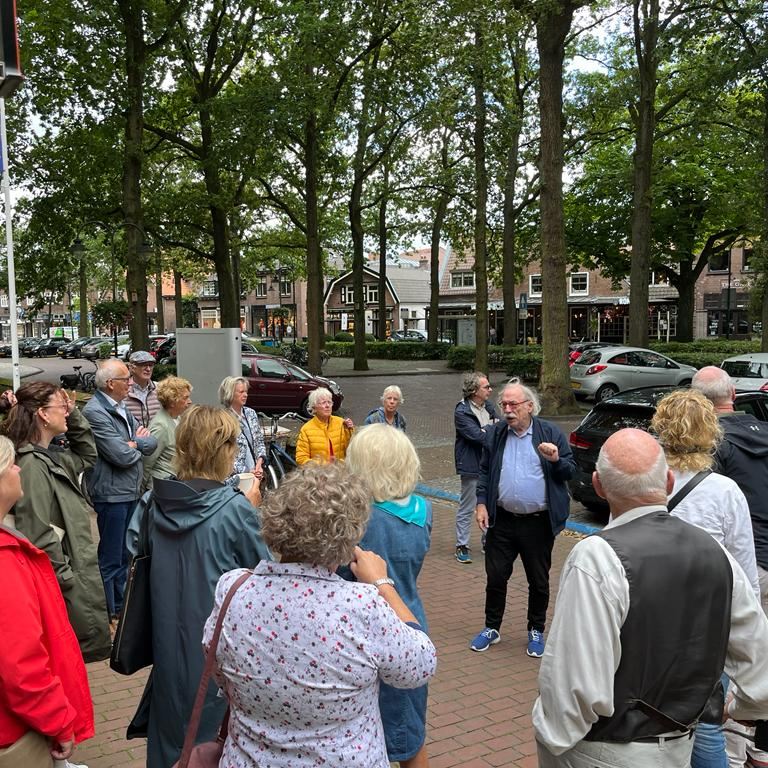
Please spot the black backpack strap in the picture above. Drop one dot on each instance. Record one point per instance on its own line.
(687, 488)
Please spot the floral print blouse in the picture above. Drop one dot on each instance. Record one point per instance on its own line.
(300, 658)
(250, 443)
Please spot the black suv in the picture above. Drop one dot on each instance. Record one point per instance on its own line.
(633, 408)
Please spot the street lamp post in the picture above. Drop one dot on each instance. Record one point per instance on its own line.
(78, 249)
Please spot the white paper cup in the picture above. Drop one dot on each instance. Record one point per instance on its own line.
(247, 479)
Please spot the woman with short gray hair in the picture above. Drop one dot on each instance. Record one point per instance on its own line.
(311, 635)
(387, 412)
(324, 437)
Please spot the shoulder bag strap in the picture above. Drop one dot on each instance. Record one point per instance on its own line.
(210, 657)
(687, 488)
(144, 527)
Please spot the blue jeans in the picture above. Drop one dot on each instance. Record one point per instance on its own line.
(709, 747)
(112, 519)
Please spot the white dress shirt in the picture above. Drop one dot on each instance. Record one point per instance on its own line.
(584, 648)
(717, 506)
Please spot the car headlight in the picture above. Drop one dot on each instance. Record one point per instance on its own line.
(334, 387)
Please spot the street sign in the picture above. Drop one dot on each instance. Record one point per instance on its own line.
(523, 301)
(523, 314)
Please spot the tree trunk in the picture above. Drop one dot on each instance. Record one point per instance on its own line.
(356, 226)
(646, 36)
(315, 330)
(136, 273)
(159, 294)
(434, 265)
(177, 303)
(556, 393)
(84, 326)
(229, 302)
(686, 291)
(509, 241)
(383, 258)
(481, 199)
(441, 209)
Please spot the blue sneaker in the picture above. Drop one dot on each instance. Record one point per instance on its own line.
(485, 640)
(462, 555)
(535, 643)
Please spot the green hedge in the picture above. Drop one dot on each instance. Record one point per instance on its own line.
(514, 361)
(388, 350)
(722, 347)
(163, 371)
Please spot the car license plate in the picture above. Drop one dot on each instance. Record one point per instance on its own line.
(575, 385)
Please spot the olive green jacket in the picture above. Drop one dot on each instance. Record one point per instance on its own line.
(159, 465)
(53, 497)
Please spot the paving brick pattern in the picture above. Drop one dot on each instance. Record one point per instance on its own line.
(479, 704)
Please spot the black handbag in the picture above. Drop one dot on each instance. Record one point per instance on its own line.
(132, 646)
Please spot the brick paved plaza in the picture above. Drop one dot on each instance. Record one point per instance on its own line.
(479, 703)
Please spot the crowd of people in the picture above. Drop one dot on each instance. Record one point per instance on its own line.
(324, 652)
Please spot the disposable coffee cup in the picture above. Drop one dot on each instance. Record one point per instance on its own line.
(247, 479)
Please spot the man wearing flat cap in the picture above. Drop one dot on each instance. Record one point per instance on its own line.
(142, 399)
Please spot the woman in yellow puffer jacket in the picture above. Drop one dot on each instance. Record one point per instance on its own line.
(324, 437)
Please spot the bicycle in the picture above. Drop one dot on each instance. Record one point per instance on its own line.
(85, 382)
(279, 462)
(300, 355)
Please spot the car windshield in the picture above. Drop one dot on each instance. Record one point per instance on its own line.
(745, 369)
(609, 420)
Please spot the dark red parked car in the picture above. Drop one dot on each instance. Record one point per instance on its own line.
(278, 385)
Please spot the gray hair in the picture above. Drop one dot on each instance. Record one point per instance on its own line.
(471, 383)
(393, 389)
(317, 515)
(321, 393)
(714, 383)
(228, 386)
(528, 393)
(625, 485)
(7, 454)
(108, 369)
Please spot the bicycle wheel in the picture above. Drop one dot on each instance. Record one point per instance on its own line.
(324, 358)
(275, 461)
(89, 382)
(270, 478)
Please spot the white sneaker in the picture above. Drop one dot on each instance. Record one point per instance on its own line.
(67, 764)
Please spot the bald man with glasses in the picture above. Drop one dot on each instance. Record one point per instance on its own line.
(522, 504)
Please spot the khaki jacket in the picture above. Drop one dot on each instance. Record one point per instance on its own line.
(53, 497)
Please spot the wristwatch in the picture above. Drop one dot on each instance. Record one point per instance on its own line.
(379, 582)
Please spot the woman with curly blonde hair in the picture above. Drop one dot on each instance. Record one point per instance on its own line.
(174, 394)
(302, 652)
(687, 427)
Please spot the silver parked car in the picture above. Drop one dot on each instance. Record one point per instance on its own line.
(749, 372)
(602, 373)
